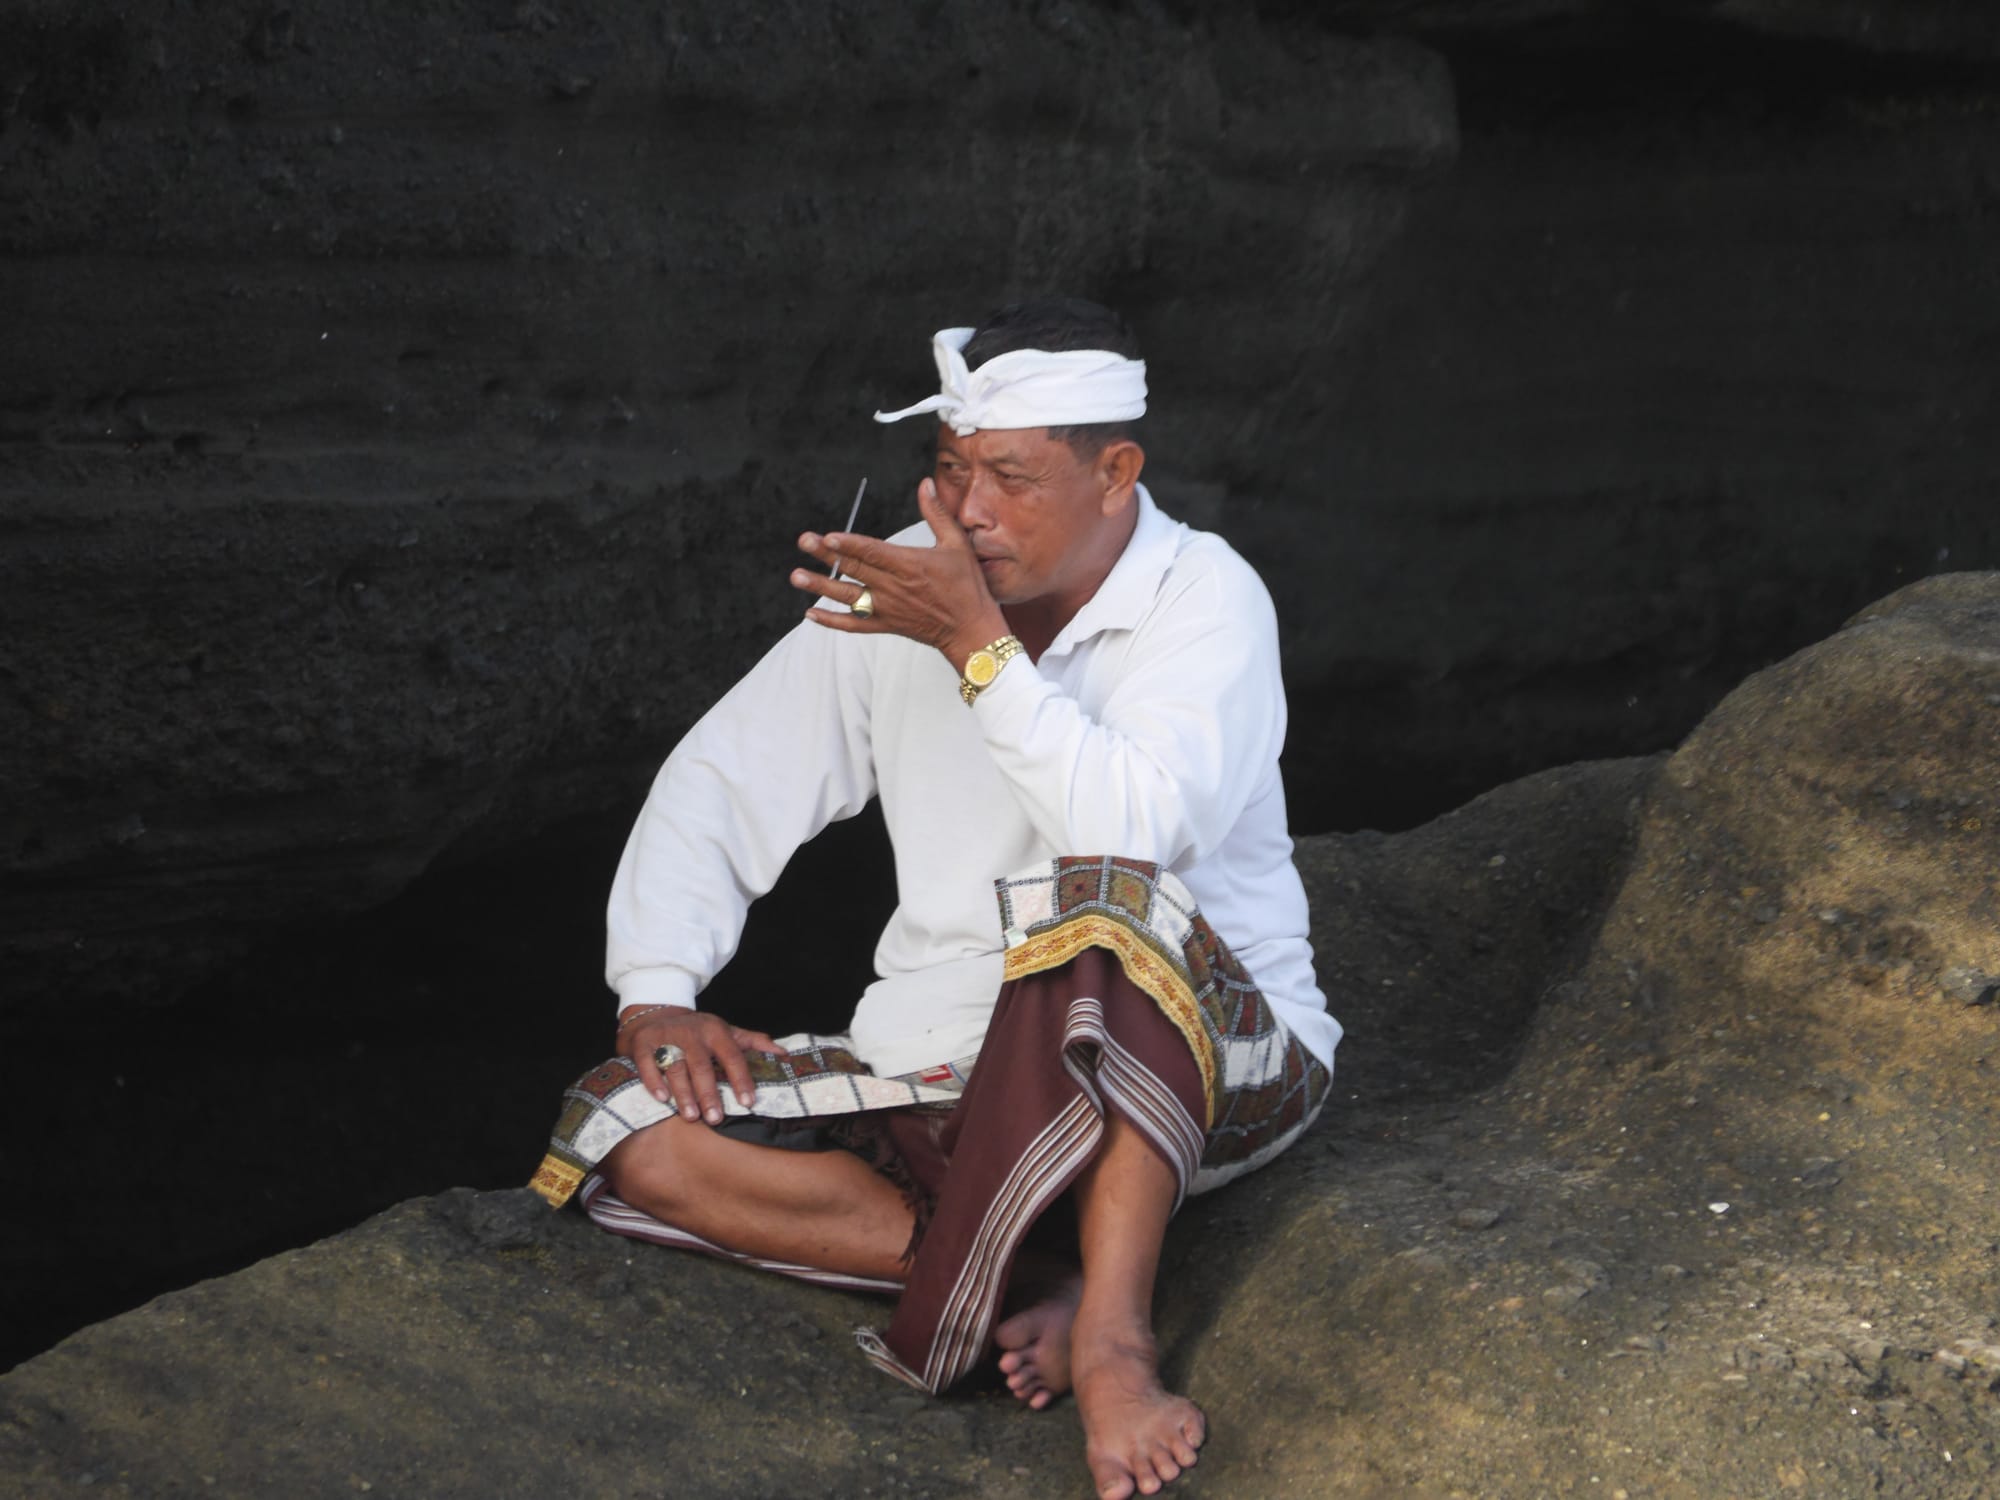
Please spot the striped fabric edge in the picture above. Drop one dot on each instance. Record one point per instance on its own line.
(1151, 1106)
(609, 1211)
(1041, 1174)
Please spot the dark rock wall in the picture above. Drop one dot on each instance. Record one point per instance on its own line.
(1696, 350)
(408, 412)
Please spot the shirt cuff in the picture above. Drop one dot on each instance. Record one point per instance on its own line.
(655, 987)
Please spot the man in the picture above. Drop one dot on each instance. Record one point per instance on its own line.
(1061, 695)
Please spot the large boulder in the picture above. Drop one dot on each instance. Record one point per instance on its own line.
(1728, 1223)
(1722, 1226)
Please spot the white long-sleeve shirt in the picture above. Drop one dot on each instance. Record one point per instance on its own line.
(1150, 728)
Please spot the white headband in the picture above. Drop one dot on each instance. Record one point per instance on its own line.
(1030, 388)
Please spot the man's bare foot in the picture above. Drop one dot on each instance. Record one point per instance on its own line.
(1138, 1436)
(1036, 1341)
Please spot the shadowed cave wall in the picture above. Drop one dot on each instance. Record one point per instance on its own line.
(405, 420)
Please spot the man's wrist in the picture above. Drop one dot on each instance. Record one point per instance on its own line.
(665, 984)
(975, 637)
(982, 668)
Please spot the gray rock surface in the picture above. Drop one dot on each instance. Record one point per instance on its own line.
(1722, 1227)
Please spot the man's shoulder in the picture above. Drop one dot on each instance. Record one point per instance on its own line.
(1205, 565)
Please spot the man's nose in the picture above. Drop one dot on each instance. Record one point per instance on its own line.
(975, 504)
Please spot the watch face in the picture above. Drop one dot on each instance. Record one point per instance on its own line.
(981, 668)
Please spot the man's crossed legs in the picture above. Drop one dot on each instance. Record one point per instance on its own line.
(1129, 1060)
(829, 1209)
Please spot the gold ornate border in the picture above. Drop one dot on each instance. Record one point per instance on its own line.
(556, 1180)
(1144, 966)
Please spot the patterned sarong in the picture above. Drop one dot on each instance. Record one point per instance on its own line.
(1117, 997)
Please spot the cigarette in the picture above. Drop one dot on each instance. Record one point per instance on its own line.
(834, 576)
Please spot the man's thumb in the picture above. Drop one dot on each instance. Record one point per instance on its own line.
(944, 525)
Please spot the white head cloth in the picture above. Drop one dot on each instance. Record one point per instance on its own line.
(1029, 388)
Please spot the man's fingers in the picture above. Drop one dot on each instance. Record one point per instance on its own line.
(848, 621)
(701, 1067)
(738, 1068)
(808, 582)
(843, 590)
(680, 1089)
(850, 549)
(649, 1073)
(689, 1082)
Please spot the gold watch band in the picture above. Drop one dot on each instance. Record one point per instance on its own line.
(984, 665)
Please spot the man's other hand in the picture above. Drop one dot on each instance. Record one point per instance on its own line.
(708, 1045)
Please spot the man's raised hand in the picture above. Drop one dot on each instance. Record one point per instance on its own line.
(935, 595)
(707, 1043)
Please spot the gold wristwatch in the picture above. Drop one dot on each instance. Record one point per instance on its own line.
(984, 665)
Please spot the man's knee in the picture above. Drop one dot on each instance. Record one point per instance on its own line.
(659, 1167)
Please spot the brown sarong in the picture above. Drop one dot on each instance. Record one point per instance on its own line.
(1117, 997)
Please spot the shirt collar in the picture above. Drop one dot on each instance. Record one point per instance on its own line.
(1129, 589)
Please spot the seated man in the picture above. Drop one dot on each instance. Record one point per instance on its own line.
(1060, 695)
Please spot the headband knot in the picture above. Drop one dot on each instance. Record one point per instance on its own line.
(1029, 388)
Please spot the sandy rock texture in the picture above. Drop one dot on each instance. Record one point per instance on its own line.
(1656, 1169)
(407, 410)
(1726, 1224)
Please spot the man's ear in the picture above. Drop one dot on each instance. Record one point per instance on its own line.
(1118, 468)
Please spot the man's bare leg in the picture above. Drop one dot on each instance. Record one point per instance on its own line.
(1137, 1435)
(827, 1209)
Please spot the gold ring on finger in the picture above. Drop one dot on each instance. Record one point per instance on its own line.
(864, 603)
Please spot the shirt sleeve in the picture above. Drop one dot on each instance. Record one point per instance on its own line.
(1165, 767)
(781, 755)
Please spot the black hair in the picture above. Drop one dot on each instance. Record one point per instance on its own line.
(1057, 324)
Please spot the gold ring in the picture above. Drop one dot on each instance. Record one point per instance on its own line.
(864, 603)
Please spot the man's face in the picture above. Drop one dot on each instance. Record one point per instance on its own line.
(1036, 513)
